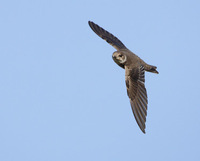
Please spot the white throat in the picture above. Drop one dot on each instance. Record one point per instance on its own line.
(123, 61)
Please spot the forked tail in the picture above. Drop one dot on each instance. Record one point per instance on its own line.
(151, 68)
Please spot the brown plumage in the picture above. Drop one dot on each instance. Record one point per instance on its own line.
(134, 74)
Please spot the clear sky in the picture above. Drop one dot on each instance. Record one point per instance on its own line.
(62, 97)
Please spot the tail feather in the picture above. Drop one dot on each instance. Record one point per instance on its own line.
(151, 68)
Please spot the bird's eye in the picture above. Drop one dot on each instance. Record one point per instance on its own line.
(120, 55)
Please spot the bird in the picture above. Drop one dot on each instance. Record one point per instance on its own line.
(135, 69)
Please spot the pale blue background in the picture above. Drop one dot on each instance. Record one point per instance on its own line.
(62, 98)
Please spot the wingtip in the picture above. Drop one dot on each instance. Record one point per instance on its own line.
(90, 22)
(143, 130)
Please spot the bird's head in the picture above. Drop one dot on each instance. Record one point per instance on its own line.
(120, 58)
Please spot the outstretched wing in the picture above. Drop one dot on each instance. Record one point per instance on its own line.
(111, 39)
(136, 90)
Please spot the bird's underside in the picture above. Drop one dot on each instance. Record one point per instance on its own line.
(134, 74)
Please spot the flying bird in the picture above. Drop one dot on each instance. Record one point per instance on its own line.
(135, 69)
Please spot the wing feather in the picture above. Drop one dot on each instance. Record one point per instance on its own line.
(136, 90)
(110, 38)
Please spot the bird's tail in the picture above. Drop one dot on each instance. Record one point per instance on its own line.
(151, 68)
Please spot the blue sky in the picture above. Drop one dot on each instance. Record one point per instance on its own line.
(63, 98)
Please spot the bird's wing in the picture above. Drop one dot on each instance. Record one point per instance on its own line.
(111, 39)
(136, 90)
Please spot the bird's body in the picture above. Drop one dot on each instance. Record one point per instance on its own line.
(134, 74)
(133, 60)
